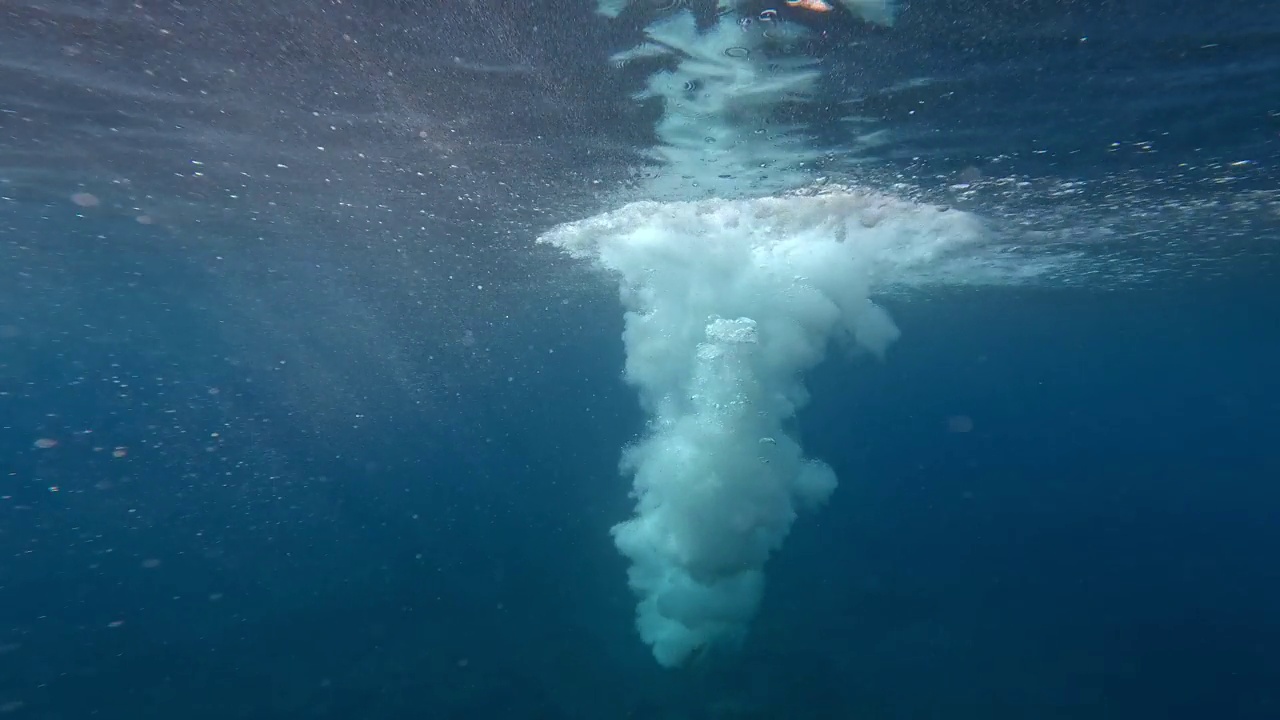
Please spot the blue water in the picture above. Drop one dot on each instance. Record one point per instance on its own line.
(340, 443)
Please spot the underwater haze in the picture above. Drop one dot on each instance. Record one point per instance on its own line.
(640, 359)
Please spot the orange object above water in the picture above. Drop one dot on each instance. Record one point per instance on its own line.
(813, 5)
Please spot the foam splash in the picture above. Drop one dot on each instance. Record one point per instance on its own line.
(880, 12)
(734, 285)
(728, 303)
(719, 133)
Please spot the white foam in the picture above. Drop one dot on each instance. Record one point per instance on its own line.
(728, 303)
(719, 133)
(734, 284)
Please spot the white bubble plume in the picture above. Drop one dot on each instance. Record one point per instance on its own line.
(729, 299)
(728, 303)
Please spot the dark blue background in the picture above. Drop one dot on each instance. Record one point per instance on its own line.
(1099, 545)
(370, 455)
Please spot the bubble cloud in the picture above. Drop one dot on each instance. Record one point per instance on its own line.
(728, 303)
(734, 284)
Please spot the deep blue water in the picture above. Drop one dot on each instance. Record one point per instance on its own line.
(333, 468)
(1099, 545)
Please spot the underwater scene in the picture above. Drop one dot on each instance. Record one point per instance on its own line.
(639, 359)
